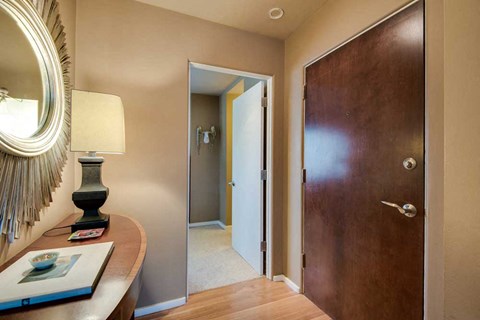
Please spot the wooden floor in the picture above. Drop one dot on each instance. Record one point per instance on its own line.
(254, 299)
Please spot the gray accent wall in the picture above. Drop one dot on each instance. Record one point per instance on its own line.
(204, 193)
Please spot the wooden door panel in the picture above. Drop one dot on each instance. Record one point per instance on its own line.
(364, 115)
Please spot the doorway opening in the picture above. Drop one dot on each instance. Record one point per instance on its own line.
(229, 177)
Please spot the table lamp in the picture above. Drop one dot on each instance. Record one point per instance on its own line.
(97, 126)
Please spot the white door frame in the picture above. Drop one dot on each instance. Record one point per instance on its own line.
(269, 159)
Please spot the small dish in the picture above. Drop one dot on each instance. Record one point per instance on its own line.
(44, 260)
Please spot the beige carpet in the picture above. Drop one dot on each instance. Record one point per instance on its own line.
(212, 262)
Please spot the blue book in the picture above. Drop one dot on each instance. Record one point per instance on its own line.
(76, 272)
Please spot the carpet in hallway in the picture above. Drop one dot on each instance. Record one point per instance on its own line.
(212, 262)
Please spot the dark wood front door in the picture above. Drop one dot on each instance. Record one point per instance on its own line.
(364, 114)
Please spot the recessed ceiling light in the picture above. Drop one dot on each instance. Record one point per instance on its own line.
(275, 13)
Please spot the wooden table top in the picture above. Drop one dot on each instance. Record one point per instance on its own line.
(117, 291)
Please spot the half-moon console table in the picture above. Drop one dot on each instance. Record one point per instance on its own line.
(117, 291)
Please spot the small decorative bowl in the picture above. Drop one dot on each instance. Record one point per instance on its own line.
(44, 260)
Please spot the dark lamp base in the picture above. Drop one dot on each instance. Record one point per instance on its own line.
(86, 222)
(91, 196)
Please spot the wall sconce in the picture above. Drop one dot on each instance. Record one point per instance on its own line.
(4, 95)
(207, 137)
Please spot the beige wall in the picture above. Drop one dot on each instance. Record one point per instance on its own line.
(205, 165)
(62, 198)
(462, 159)
(141, 53)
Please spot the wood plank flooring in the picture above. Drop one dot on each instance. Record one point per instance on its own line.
(254, 299)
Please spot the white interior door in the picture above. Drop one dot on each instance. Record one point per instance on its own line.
(247, 162)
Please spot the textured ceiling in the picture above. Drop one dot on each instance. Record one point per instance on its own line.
(248, 15)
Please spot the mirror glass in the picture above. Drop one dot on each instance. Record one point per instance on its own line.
(35, 109)
(22, 91)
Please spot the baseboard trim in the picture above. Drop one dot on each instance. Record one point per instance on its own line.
(288, 282)
(292, 285)
(221, 225)
(278, 278)
(203, 223)
(160, 307)
(209, 223)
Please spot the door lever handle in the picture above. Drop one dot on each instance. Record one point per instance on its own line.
(407, 210)
(231, 183)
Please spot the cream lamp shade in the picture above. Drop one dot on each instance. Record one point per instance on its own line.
(98, 123)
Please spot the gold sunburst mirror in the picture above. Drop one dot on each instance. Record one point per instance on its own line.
(34, 110)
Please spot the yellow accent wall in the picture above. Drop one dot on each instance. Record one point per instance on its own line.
(230, 98)
(230, 95)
